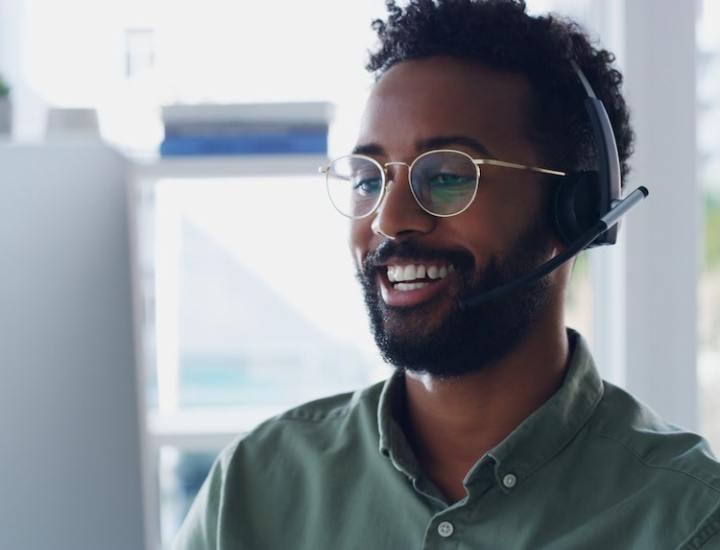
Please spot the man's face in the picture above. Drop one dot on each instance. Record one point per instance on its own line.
(447, 103)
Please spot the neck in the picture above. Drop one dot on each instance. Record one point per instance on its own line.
(451, 423)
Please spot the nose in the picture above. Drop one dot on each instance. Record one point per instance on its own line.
(399, 215)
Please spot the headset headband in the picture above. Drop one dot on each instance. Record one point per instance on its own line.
(608, 160)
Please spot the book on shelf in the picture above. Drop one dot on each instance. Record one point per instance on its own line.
(275, 144)
(241, 128)
(244, 129)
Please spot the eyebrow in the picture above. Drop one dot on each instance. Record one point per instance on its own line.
(436, 142)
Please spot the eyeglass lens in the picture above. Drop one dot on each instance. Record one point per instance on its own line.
(442, 182)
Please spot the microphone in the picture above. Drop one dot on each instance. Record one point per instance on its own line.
(618, 210)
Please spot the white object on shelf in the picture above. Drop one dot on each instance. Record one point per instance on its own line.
(63, 123)
(297, 112)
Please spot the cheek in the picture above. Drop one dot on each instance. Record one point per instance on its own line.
(496, 220)
(360, 237)
(484, 227)
(509, 208)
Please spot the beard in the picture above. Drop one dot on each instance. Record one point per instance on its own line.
(460, 341)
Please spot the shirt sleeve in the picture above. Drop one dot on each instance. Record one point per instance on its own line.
(200, 530)
(707, 535)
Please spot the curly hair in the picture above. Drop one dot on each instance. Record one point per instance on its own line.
(501, 35)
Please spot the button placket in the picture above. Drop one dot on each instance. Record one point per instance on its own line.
(445, 529)
(509, 481)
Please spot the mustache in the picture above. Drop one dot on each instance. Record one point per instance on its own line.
(411, 250)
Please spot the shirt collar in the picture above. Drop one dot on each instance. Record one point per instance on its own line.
(534, 442)
(393, 443)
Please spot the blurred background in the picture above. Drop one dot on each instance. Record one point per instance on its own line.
(162, 213)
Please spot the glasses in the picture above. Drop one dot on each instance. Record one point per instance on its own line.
(444, 182)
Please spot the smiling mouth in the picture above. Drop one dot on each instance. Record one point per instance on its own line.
(415, 276)
(406, 285)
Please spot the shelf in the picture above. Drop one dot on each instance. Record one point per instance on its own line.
(226, 166)
(204, 428)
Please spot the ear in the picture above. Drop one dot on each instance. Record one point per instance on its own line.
(575, 205)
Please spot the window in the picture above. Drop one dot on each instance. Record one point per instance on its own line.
(256, 309)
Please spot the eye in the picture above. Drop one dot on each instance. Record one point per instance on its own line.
(446, 179)
(367, 186)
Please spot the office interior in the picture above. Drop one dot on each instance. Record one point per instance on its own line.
(156, 307)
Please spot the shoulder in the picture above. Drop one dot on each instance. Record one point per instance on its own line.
(638, 461)
(312, 427)
(637, 431)
(307, 452)
(671, 471)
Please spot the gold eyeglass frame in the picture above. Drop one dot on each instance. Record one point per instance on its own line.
(385, 186)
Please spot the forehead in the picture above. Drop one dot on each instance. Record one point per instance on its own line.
(439, 96)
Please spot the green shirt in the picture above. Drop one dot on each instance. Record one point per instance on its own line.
(590, 469)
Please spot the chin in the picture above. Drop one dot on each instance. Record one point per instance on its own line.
(444, 341)
(411, 323)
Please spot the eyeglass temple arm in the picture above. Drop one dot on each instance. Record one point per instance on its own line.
(519, 166)
(324, 169)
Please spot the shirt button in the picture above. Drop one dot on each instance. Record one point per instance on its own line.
(445, 529)
(509, 480)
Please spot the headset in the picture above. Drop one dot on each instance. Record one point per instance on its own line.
(586, 206)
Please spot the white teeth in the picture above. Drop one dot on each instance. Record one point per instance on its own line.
(399, 273)
(410, 286)
(409, 273)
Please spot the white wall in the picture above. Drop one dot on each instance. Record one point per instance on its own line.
(70, 462)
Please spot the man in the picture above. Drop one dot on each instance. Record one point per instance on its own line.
(495, 430)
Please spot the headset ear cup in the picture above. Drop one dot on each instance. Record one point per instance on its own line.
(563, 212)
(576, 205)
